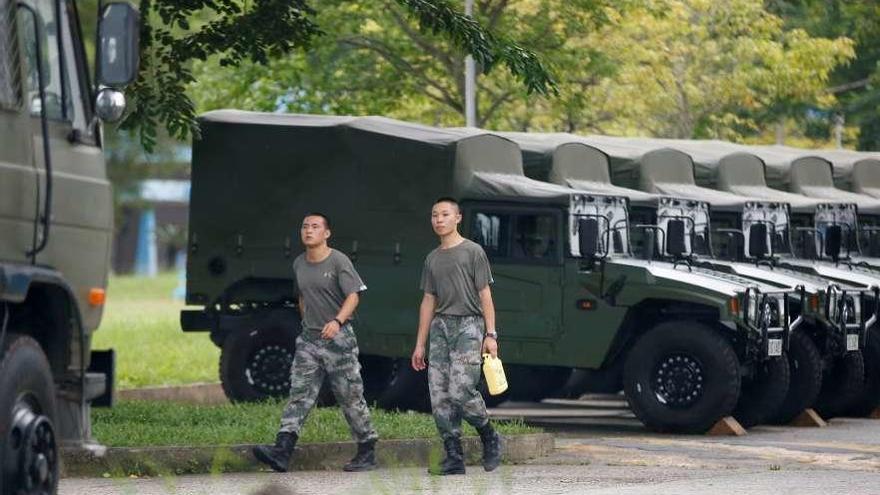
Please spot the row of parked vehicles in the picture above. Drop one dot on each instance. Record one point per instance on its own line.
(701, 278)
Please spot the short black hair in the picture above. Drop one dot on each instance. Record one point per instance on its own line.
(448, 199)
(319, 214)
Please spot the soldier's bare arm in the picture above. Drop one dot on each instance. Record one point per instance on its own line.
(490, 345)
(332, 327)
(426, 313)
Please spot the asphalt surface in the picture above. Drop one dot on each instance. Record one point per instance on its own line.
(595, 454)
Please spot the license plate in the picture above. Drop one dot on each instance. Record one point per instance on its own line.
(774, 347)
(852, 342)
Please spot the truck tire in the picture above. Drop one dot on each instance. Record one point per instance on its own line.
(681, 376)
(255, 365)
(376, 372)
(805, 366)
(762, 394)
(842, 382)
(407, 389)
(870, 397)
(28, 450)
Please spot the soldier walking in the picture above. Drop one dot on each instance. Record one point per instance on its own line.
(328, 295)
(455, 313)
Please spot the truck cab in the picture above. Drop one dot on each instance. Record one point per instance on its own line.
(56, 218)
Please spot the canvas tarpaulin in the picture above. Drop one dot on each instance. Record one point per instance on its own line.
(566, 160)
(654, 167)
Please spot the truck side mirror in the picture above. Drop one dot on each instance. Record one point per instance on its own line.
(675, 238)
(833, 238)
(118, 45)
(758, 240)
(588, 237)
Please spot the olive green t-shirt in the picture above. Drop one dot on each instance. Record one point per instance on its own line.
(324, 286)
(455, 276)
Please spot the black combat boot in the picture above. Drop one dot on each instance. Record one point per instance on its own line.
(277, 456)
(365, 459)
(454, 461)
(491, 447)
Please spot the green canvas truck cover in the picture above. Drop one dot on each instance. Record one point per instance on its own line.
(652, 166)
(805, 172)
(567, 160)
(256, 174)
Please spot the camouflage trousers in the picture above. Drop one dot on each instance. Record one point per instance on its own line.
(337, 359)
(454, 362)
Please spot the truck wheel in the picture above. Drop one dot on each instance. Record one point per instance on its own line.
(870, 397)
(842, 382)
(763, 393)
(681, 376)
(28, 450)
(376, 373)
(805, 367)
(407, 389)
(255, 365)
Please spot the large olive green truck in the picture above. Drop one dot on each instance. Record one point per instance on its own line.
(55, 228)
(569, 290)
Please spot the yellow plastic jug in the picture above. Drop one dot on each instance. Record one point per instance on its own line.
(494, 373)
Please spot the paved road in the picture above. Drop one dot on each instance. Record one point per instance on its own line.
(594, 458)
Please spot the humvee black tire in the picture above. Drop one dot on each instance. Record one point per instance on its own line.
(255, 365)
(869, 400)
(805, 366)
(701, 388)
(762, 394)
(27, 416)
(407, 389)
(842, 382)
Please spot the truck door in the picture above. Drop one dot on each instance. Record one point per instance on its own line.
(81, 213)
(524, 246)
(17, 186)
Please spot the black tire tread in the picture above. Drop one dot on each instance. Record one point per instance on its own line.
(805, 364)
(672, 334)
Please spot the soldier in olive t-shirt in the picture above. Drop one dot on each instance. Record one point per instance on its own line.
(324, 286)
(455, 277)
(457, 319)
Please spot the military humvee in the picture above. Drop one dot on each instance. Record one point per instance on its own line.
(569, 292)
(55, 229)
(583, 163)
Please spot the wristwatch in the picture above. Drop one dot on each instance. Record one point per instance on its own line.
(494, 335)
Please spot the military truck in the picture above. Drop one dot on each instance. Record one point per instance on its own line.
(842, 328)
(569, 293)
(572, 161)
(55, 229)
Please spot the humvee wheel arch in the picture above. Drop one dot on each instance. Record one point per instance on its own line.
(28, 453)
(681, 376)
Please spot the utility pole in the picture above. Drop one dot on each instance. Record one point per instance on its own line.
(838, 121)
(470, 79)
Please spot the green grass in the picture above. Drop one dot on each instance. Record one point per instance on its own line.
(142, 322)
(137, 424)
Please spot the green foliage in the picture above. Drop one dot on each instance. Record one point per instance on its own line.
(138, 424)
(142, 322)
(856, 85)
(176, 33)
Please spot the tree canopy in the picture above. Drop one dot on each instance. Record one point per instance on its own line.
(174, 33)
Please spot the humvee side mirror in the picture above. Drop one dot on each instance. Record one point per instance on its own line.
(758, 240)
(118, 44)
(833, 238)
(588, 237)
(675, 238)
